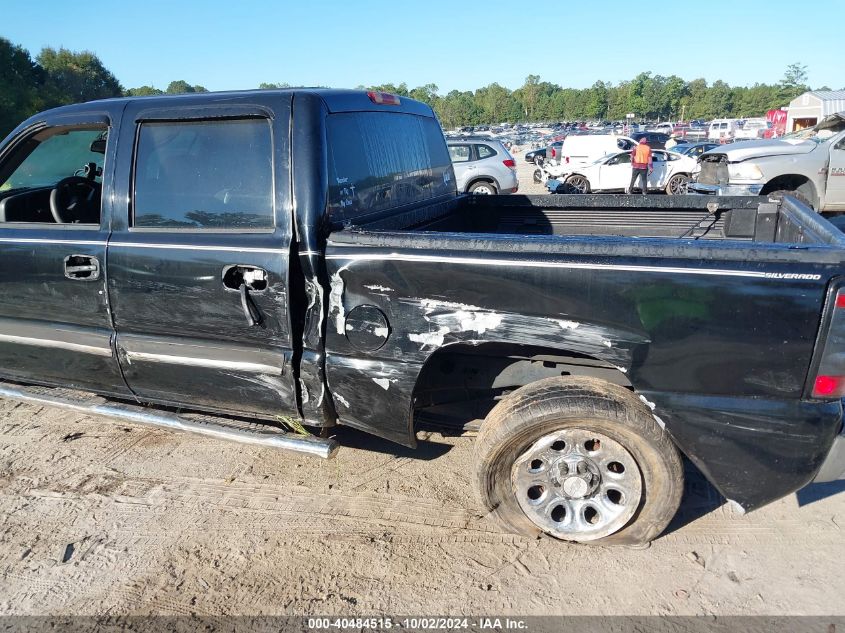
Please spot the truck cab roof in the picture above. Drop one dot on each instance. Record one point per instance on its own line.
(335, 100)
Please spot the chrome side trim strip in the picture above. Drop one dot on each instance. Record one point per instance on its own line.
(216, 428)
(212, 355)
(479, 261)
(96, 341)
(41, 342)
(191, 247)
(199, 247)
(40, 240)
(211, 363)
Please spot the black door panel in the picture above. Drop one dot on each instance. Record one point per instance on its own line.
(205, 213)
(55, 322)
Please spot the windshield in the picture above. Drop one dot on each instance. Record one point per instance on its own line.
(819, 133)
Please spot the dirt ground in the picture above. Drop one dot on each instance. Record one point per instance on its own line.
(525, 172)
(99, 517)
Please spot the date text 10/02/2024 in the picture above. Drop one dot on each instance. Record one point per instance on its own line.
(432, 624)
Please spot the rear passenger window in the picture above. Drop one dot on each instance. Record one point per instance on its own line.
(204, 175)
(459, 153)
(383, 160)
(485, 152)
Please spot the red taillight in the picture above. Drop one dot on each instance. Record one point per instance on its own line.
(829, 387)
(383, 98)
(567, 159)
(553, 152)
(511, 163)
(828, 378)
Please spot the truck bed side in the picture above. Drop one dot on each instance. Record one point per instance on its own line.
(717, 335)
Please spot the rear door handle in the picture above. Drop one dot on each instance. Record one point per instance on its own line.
(237, 275)
(244, 278)
(82, 267)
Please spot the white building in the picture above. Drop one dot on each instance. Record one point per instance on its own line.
(811, 107)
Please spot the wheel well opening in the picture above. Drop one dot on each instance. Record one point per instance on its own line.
(460, 384)
(792, 182)
(475, 181)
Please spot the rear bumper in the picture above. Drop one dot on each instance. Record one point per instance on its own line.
(725, 190)
(833, 467)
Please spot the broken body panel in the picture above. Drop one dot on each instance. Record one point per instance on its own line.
(709, 334)
(416, 310)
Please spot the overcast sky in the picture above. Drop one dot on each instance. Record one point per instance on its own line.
(463, 44)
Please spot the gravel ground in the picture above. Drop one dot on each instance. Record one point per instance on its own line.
(525, 172)
(99, 517)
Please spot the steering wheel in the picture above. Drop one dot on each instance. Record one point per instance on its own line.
(69, 198)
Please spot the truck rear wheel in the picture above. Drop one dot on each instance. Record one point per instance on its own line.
(579, 459)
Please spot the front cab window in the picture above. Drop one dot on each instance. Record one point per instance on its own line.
(55, 177)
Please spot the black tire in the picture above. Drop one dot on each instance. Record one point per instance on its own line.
(482, 187)
(677, 185)
(539, 160)
(557, 404)
(780, 193)
(577, 184)
(538, 176)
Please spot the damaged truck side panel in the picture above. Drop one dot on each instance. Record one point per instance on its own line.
(304, 253)
(685, 331)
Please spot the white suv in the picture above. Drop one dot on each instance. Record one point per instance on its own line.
(483, 166)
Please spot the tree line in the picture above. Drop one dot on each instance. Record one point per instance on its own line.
(649, 97)
(57, 77)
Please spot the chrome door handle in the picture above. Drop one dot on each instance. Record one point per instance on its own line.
(82, 267)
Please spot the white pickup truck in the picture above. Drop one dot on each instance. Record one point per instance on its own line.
(808, 164)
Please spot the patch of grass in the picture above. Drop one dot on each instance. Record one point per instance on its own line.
(294, 425)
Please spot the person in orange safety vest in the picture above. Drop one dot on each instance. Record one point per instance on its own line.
(641, 166)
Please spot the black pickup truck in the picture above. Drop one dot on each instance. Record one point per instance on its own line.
(213, 262)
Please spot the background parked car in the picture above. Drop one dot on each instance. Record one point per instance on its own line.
(483, 167)
(613, 173)
(655, 140)
(722, 129)
(753, 128)
(585, 148)
(665, 127)
(694, 150)
(539, 155)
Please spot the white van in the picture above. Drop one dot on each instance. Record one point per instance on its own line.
(753, 128)
(585, 148)
(722, 129)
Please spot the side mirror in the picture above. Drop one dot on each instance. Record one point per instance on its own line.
(98, 146)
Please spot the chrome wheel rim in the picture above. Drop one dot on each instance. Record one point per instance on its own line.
(577, 184)
(577, 485)
(678, 185)
(483, 190)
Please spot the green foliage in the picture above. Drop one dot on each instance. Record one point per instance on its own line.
(54, 78)
(21, 86)
(61, 76)
(75, 77)
(182, 87)
(144, 91)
